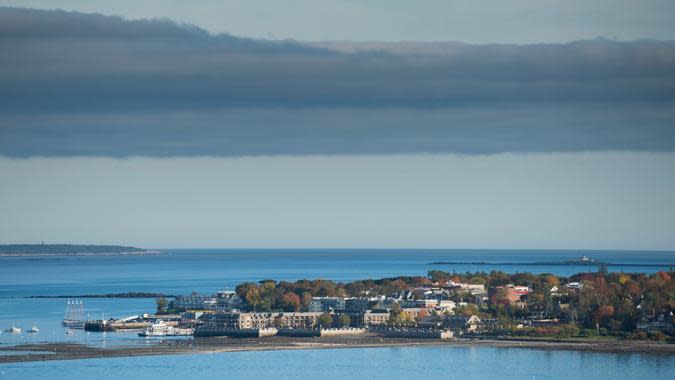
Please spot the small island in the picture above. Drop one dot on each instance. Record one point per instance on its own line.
(584, 260)
(70, 250)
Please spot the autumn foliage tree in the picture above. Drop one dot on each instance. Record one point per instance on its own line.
(291, 302)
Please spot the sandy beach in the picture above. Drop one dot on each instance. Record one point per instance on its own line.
(69, 351)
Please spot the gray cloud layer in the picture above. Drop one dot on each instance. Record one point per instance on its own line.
(79, 84)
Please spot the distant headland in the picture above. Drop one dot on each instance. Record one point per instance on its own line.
(70, 250)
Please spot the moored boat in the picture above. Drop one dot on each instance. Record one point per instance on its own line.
(73, 324)
(160, 328)
(74, 312)
(34, 329)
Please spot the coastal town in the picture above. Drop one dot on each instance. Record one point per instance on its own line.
(441, 305)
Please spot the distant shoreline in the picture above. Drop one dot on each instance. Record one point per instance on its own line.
(141, 253)
(70, 351)
(70, 250)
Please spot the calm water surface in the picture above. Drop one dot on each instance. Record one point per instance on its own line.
(380, 363)
(182, 271)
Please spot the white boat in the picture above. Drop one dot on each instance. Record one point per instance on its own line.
(70, 332)
(162, 329)
(34, 329)
(13, 330)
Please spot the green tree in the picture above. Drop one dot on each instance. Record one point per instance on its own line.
(344, 320)
(326, 320)
(161, 303)
(438, 275)
(394, 313)
(468, 310)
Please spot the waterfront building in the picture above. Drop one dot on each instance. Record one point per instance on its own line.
(325, 304)
(235, 320)
(660, 323)
(357, 304)
(228, 300)
(432, 321)
(190, 317)
(375, 317)
(194, 302)
(462, 323)
(304, 320)
(224, 300)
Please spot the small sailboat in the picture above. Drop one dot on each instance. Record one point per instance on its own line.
(14, 330)
(34, 329)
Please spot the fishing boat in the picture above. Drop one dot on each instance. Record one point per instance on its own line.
(160, 328)
(74, 312)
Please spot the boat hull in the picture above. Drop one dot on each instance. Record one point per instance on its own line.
(73, 324)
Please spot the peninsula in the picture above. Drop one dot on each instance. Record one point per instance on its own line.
(70, 250)
(611, 312)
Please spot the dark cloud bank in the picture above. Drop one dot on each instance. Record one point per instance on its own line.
(80, 84)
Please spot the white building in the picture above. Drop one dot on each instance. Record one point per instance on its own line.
(224, 300)
(574, 285)
(471, 288)
(324, 304)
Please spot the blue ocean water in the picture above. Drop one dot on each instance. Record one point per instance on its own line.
(205, 271)
(373, 363)
(183, 271)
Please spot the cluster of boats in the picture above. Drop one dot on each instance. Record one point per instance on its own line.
(74, 320)
(17, 330)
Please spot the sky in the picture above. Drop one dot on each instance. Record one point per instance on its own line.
(470, 21)
(436, 124)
